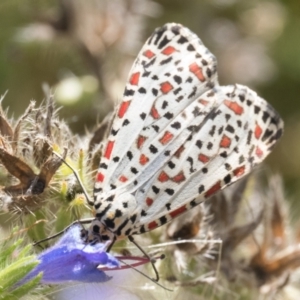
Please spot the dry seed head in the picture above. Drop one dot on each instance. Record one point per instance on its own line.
(29, 169)
(264, 264)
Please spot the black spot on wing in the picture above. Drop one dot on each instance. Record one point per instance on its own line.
(165, 61)
(163, 43)
(128, 92)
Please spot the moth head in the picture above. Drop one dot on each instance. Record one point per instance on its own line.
(98, 232)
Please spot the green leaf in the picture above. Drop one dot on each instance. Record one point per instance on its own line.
(6, 253)
(24, 251)
(10, 275)
(25, 288)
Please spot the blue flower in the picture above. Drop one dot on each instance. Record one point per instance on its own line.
(70, 259)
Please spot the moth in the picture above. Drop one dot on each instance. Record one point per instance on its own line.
(177, 137)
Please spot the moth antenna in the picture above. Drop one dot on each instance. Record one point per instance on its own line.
(83, 221)
(77, 177)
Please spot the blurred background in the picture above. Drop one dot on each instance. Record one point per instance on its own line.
(84, 49)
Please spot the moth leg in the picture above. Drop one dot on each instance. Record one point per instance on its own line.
(152, 261)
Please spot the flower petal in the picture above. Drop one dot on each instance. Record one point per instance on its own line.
(71, 259)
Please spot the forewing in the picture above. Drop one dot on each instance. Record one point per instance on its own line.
(238, 133)
(172, 70)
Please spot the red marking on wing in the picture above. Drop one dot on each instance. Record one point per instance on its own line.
(143, 159)
(216, 187)
(225, 142)
(148, 53)
(179, 151)
(178, 211)
(154, 113)
(134, 79)
(109, 148)
(100, 177)
(203, 158)
(166, 87)
(203, 102)
(259, 152)
(163, 177)
(197, 71)
(140, 141)
(239, 171)
(257, 131)
(237, 109)
(166, 138)
(152, 225)
(179, 177)
(123, 178)
(149, 201)
(168, 50)
(123, 108)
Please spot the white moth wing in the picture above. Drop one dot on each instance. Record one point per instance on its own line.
(239, 133)
(172, 70)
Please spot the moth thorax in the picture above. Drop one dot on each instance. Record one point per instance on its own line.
(121, 208)
(112, 215)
